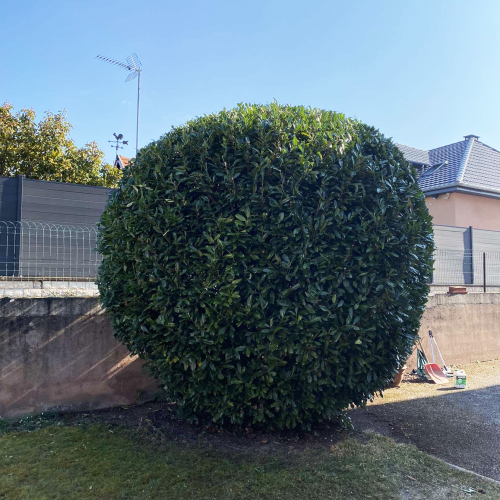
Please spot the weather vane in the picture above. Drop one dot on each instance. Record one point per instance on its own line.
(118, 143)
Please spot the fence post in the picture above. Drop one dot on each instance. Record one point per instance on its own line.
(471, 242)
(18, 241)
(484, 272)
(19, 215)
(434, 255)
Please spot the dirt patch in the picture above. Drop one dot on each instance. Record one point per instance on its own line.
(157, 420)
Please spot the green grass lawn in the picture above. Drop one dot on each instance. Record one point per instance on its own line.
(99, 462)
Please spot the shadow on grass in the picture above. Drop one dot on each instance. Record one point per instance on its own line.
(99, 462)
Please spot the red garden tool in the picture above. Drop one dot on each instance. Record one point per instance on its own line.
(432, 369)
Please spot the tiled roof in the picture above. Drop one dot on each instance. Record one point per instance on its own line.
(121, 161)
(468, 163)
(124, 160)
(448, 173)
(483, 167)
(414, 155)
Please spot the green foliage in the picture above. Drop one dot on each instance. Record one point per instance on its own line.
(45, 151)
(270, 263)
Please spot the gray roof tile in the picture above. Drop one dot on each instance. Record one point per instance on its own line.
(448, 173)
(414, 155)
(481, 168)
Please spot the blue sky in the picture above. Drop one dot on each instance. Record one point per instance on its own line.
(425, 72)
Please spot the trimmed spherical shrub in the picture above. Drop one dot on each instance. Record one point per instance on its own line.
(270, 263)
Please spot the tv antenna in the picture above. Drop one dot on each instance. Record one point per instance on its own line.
(135, 67)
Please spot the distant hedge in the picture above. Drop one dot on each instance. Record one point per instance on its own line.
(270, 263)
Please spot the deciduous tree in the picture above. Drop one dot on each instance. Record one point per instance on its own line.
(44, 150)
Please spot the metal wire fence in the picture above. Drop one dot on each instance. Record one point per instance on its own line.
(38, 250)
(30, 250)
(471, 268)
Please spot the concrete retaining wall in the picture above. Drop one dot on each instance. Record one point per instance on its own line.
(42, 289)
(36, 289)
(36, 284)
(60, 354)
(466, 327)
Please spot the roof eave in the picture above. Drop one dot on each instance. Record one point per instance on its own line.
(463, 188)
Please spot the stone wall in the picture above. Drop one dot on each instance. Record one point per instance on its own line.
(60, 354)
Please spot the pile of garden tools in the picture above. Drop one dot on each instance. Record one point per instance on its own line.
(428, 370)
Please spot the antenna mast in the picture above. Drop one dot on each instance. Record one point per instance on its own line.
(133, 65)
